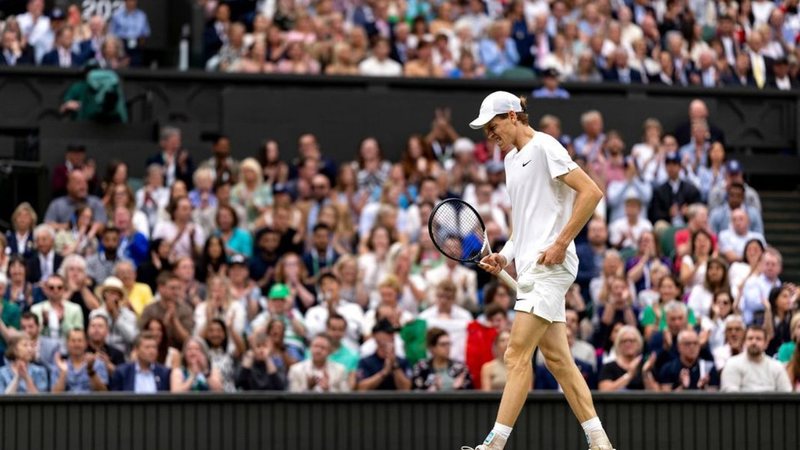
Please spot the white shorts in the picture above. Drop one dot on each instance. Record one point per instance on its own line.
(542, 290)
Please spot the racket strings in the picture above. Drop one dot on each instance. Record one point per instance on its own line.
(457, 231)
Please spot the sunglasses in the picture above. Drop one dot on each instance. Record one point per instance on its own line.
(55, 287)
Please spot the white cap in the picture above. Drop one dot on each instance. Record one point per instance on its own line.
(463, 145)
(498, 102)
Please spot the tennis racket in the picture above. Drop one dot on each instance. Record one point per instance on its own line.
(458, 232)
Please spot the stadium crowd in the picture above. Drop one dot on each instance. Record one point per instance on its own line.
(211, 273)
(669, 42)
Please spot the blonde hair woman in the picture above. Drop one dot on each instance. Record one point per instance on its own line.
(251, 192)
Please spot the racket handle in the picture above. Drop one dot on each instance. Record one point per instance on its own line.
(507, 279)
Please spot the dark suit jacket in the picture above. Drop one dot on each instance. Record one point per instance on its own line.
(613, 75)
(87, 52)
(684, 132)
(26, 58)
(772, 84)
(663, 199)
(124, 378)
(11, 238)
(731, 79)
(34, 271)
(183, 175)
(51, 59)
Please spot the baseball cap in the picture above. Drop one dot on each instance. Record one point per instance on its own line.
(550, 72)
(632, 196)
(673, 158)
(498, 102)
(278, 291)
(734, 167)
(238, 259)
(463, 145)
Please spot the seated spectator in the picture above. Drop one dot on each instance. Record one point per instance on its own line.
(167, 355)
(82, 372)
(319, 373)
(701, 296)
(342, 354)
(671, 198)
(720, 217)
(177, 315)
(787, 349)
(389, 291)
(13, 52)
(173, 158)
(734, 174)
(628, 371)
(79, 285)
(755, 292)
(753, 370)
(58, 314)
(343, 61)
(44, 347)
(618, 308)
(655, 318)
(697, 219)
(20, 236)
(91, 47)
(734, 341)
(143, 375)
(782, 79)
(467, 68)
(695, 153)
(721, 308)
(733, 239)
(494, 372)
(697, 111)
(591, 253)
(260, 366)
(97, 333)
(251, 192)
(131, 25)
(36, 27)
(317, 316)
(184, 237)
(80, 236)
(464, 279)
(202, 196)
(640, 267)
(688, 371)
(101, 265)
(139, 294)
(61, 211)
(195, 374)
(712, 176)
(379, 63)
(626, 231)
(619, 71)
(778, 313)
(383, 370)
(122, 321)
(62, 54)
(550, 87)
(224, 351)
(590, 143)
(632, 186)
(498, 51)
(279, 307)
(133, 243)
(298, 60)
(693, 266)
(21, 374)
(237, 240)
(10, 314)
(440, 373)
(321, 255)
(741, 74)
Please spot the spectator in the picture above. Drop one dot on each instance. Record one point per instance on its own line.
(693, 266)
(317, 316)
(632, 186)
(175, 160)
(697, 219)
(298, 60)
(223, 353)
(590, 143)
(787, 349)
(464, 279)
(133, 244)
(13, 52)
(697, 111)
(742, 75)
(58, 314)
(761, 65)
(781, 79)
(79, 285)
(237, 240)
(82, 372)
(379, 63)
(733, 239)
(778, 316)
(100, 265)
(167, 355)
(10, 314)
(196, 374)
(121, 320)
(688, 371)
(131, 25)
(61, 211)
(184, 237)
(219, 304)
(383, 370)
(720, 217)
(139, 294)
(701, 296)
(216, 32)
(440, 373)
(626, 231)
(45, 347)
(91, 47)
(695, 153)
(35, 28)
(793, 368)
(753, 371)
(144, 375)
(319, 373)
(494, 372)
(80, 236)
(713, 175)
(734, 330)
(671, 199)
(19, 290)
(21, 374)
(591, 253)
(498, 51)
(640, 266)
(62, 55)
(628, 371)
(177, 316)
(550, 87)
(733, 174)
(619, 71)
(618, 308)
(20, 237)
(260, 369)
(655, 318)
(251, 193)
(97, 333)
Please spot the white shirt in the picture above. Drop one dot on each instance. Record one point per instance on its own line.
(38, 34)
(455, 325)
(743, 375)
(729, 240)
(317, 316)
(374, 67)
(541, 203)
(466, 281)
(700, 300)
(755, 290)
(621, 232)
(183, 247)
(46, 263)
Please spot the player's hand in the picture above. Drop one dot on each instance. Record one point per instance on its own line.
(493, 263)
(555, 254)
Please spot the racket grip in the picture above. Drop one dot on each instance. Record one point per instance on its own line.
(507, 279)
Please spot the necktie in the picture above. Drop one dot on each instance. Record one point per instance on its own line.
(758, 71)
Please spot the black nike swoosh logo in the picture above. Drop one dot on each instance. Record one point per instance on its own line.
(526, 163)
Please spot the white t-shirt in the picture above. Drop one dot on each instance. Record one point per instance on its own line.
(622, 233)
(743, 375)
(541, 203)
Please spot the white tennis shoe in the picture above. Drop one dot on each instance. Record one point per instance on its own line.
(492, 442)
(600, 441)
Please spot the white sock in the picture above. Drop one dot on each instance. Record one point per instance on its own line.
(590, 425)
(500, 430)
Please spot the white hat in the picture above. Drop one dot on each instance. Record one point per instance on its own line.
(498, 102)
(463, 145)
(112, 283)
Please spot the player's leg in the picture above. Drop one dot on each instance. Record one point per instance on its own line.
(555, 349)
(526, 332)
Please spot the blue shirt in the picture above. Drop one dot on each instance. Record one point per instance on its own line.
(145, 381)
(498, 60)
(38, 375)
(543, 92)
(240, 242)
(78, 380)
(371, 365)
(130, 24)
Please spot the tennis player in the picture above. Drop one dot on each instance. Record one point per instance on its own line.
(551, 201)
